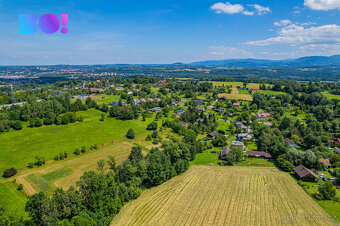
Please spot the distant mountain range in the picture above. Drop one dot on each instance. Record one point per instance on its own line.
(311, 61)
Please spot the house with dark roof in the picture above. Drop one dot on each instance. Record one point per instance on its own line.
(178, 112)
(244, 136)
(212, 135)
(223, 154)
(259, 154)
(200, 102)
(156, 109)
(305, 174)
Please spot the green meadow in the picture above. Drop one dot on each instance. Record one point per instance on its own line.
(13, 199)
(18, 148)
(331, 96)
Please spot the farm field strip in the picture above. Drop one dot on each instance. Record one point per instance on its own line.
(209, 195)
(75, 167)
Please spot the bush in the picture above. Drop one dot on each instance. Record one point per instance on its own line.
(148, 138)
(83, 149)
(130, 134)
(30, 165)
(77, 151)
(20, 187)
(154, 134)
(219, 141)
(17, 125)
(327, 190)
(9, 172)
(152, 126)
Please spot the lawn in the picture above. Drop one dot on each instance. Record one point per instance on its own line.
(13, 199)
(331, 96)
(18, 148)
(331, 207)
(210, 195)
(270, 92)
(246, 97)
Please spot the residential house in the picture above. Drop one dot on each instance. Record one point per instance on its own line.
(236, 104)
(236, 143)
(268, 124)
(326, 162)
(259, 154)
(184, 123)
(241, 88)
(254, 89)
(222, 98)
(212, 135)
(200, 102)
(200, 109)
(96, 90)
(178, 112)
(118, 88)
(156, 109)
(263, 116)
(305, 174)
(337, 150)
(135, 101)
(175, 103)
(115, 102)
(200, 120)
(223, 154)
(244, 136)
(290, 142)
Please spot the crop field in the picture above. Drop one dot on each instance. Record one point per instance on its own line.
(18, 148)
(209, 195)
(236, 84)
(66, 172)
(246, 97)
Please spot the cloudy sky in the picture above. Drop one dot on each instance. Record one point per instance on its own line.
(168, 31)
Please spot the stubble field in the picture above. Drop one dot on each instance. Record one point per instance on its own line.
(209, 195)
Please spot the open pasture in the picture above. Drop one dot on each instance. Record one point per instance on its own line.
(209, 195)
(18, 148)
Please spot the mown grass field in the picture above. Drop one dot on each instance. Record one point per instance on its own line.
(18, 148)
(14, 200)
(209, 195)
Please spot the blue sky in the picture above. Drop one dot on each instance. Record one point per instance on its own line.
(105, 32)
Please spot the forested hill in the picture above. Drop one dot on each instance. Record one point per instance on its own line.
(310, 61)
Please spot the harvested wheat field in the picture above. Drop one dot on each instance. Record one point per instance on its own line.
(210, 195)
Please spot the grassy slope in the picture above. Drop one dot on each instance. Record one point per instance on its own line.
(18, 148)
(13, 199)
(209, 195)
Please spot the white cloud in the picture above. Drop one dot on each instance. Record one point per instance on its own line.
(227, 8)
(297, 34)
(322, 4)
(282, 23)
(223, 52)
(261, 10)
(248, 13)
